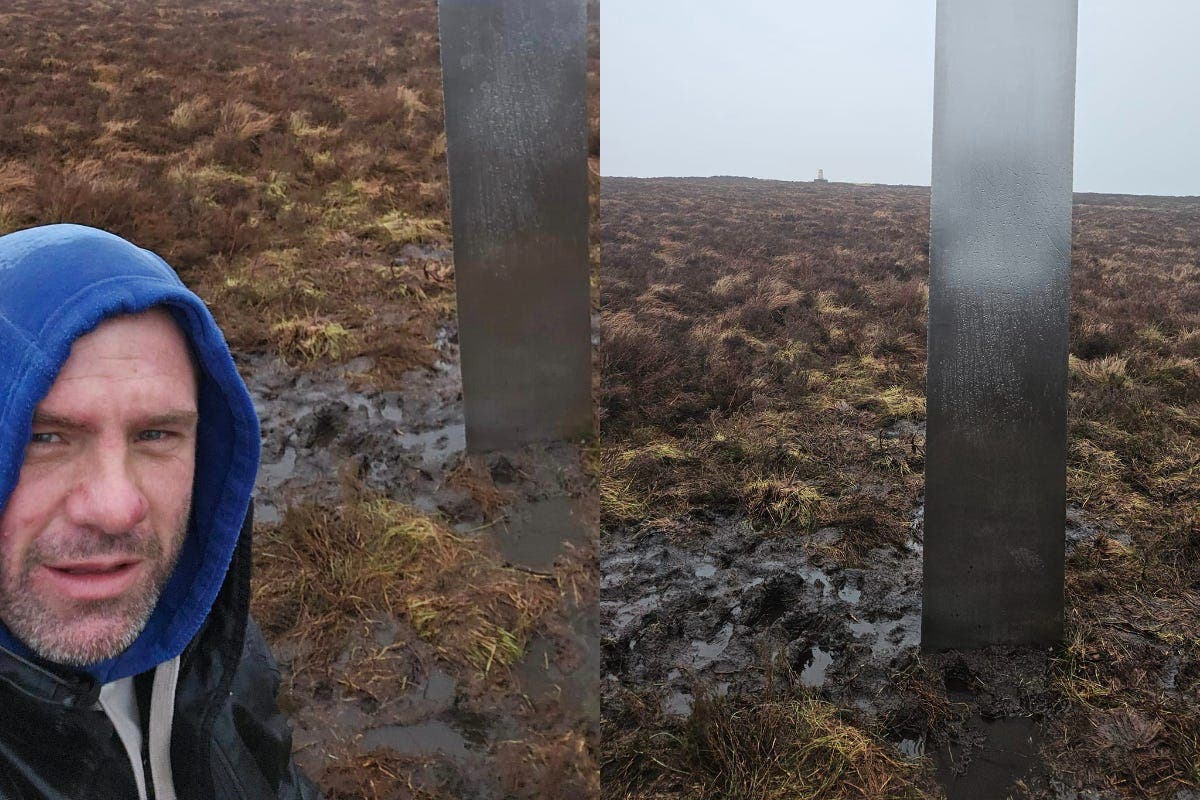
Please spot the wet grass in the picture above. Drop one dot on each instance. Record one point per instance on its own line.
(747, 369)
(763, 355)
(323, 571)
(387, 775)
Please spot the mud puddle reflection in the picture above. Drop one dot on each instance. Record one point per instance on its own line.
(535, 532)
(314, 422)
(424, 738)
(562, 671)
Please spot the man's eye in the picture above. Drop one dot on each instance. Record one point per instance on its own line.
(43, 438)
(153, 436)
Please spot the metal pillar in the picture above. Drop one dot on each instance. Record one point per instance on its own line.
(515, 85)
(999, 261)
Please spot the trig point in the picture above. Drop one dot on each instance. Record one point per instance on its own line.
(820, 177)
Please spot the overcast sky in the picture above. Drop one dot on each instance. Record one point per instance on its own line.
(780, 88)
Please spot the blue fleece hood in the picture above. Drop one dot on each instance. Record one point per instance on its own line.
(57, 283)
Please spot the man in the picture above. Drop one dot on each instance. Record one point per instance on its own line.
(129, 666)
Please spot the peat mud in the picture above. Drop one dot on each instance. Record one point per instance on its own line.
(674, 614)
(389, 708)
(709, 602)
(316, 423)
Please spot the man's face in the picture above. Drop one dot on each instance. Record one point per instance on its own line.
(94, 527)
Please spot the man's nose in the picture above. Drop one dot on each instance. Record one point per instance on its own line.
(108, 497)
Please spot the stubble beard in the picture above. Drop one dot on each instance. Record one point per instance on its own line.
(90, 631)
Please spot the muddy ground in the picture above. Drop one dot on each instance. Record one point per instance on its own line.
(422, 726)
(711, 603)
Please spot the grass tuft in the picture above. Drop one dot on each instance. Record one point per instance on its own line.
(784, 502)
(323, 570)
(782, 744)
(309, 340)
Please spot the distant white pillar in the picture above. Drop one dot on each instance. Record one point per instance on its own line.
(999, 253)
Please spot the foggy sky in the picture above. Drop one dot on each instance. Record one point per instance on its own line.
(780, 88)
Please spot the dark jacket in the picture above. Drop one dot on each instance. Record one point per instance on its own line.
(229, 741)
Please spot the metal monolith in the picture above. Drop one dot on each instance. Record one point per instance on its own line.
(1000, 243)
(515, 87)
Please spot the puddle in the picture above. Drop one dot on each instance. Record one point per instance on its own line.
(477, 728)
(533, 533)
(704, 654)
(439, 688)
(437, 445)
(631, 612)
(889, 635)
(314, 422)
(813, 674)
(818, 579)
(617, 574)
(425, 738)
(1003, 753)
(861, 629)
(266, 513)
(277, 472)
(678, 704)
(392, 414)
(536, 676)
(673, 612)
(565, 670)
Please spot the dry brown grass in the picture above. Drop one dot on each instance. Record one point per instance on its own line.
(559, 765)
(224, 134)
(769, 332)
(386, 775)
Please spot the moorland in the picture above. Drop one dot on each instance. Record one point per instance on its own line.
(762, 426)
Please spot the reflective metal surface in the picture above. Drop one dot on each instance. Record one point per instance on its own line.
(515, 86)
(1000, 239)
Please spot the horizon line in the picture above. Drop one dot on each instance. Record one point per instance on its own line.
(865, 183)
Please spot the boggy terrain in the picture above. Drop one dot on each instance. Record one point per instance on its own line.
(433, 614)
(762, 429)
